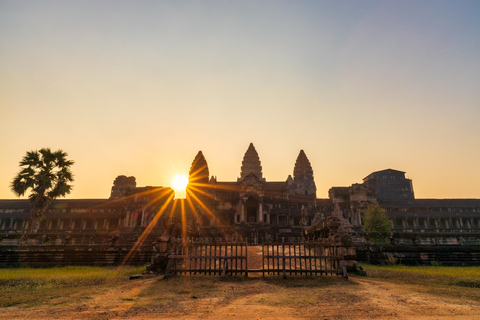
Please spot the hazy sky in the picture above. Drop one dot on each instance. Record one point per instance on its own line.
(139, 87)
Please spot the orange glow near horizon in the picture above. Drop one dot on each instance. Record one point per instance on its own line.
(367, 85)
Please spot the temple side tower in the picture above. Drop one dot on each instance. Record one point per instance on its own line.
(251, 164)
(303, 183)
(198, 190)
(122, 186)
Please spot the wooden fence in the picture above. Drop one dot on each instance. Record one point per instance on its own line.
(207, 257)
(220, 258)
(306, 258)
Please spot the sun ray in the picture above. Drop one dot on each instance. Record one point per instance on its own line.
(203, 192)
(196, 174)
(145, 233)
(184, 222)
(170, 217)
(206, 208)
(189, 200)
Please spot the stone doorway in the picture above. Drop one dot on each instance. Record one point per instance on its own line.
(251, 207)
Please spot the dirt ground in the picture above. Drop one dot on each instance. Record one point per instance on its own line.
(356, 298)
(210, 297)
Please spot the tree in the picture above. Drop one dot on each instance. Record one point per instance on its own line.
(375, 219)
(47, 175)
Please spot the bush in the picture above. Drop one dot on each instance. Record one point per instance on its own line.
(375, 219)
(435, 263)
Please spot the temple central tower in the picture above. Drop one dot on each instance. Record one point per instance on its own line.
(303, 182)
(251, 164)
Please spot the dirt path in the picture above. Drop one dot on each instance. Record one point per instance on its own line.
(254, 257)
(369, 300)
(258, 298)
(383, 300)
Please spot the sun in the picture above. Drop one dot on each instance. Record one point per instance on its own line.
(179, 184)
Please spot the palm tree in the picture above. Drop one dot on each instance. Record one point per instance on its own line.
(47, 174)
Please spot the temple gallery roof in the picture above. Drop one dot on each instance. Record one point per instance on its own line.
(433, 203)
(21, 208)
(384, 172)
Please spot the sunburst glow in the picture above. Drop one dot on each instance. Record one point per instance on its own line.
(179, 184)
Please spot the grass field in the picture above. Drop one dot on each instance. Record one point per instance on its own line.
(442, 276)
(102, 293)
(29, 286)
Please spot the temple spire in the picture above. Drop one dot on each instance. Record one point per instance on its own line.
(199, 170)
(251, 164)
(302, 166)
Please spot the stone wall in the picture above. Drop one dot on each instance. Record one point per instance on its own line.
(48, 249)
(455, 249)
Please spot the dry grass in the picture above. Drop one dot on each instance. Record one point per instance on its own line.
(463, 276)
(32, 286)
(437, 280)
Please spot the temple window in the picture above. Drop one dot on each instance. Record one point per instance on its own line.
(398, 223)
(410, 223)
(88, 224)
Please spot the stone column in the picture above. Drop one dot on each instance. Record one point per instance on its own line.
(260, 212)
(127, 218)
(242, 213)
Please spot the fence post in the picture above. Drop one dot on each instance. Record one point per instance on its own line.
(246, 258)
(224, 268)
(344, 268)
(167, 270)
(263, 259)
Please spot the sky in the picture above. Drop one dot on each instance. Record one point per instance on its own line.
(137, 88)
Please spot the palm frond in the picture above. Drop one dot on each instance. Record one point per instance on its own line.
(46, 174)
(31, 158)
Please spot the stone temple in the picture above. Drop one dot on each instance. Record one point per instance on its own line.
(251, 204)
(250, 207)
